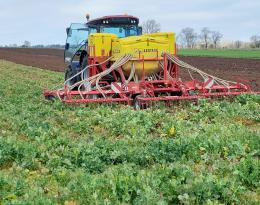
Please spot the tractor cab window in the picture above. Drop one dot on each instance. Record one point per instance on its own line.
(94, 29)
(120, 31)
(132, 31)
(77, 34)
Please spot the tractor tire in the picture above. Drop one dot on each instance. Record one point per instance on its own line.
(84, 64)
(69, 74)
(85, 74)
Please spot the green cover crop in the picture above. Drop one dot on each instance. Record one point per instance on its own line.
(225, 53)
(53, 153)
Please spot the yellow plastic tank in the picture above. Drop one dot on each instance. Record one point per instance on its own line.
(100, 44)
(147, 49)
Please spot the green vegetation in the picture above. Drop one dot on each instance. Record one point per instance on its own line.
(52, 153)
(226, 53)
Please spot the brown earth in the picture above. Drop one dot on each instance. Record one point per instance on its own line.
(51, 59)
(229, 68)
(226, 68)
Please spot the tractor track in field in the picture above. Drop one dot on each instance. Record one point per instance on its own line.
(226, 68)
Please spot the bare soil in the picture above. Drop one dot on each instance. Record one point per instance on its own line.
(234, 69)
(226, 68)
(51, 59)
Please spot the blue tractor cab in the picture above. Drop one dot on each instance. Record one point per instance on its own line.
(75, 54)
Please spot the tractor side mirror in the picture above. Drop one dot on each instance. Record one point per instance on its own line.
(140, 30)
(67, 46)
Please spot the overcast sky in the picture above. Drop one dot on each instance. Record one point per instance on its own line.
(45, 21)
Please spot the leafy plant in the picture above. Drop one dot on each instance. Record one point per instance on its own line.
(52, 153)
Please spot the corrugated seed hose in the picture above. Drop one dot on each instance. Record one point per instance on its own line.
(204, 75)
(123, 60)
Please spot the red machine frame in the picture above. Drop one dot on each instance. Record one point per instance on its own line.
(145, 91)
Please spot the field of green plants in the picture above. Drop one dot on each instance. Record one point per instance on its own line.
(52, 153)
(226, 53)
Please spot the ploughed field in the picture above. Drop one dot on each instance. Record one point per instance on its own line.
(54, 153)
(227, 68)
(51, 59)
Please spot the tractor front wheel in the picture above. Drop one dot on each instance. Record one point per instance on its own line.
(84, 64)
(69, 79)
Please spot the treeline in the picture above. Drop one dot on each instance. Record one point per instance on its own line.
(27, 44)
(187, 38)
(206, 38)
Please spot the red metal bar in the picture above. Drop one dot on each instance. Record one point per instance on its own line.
(98, 100)
(177, 69)
(157, 86)
(114, 76)
(207, 95)
(165, 67)
(122, 75)
(147, 89)
(143, 73)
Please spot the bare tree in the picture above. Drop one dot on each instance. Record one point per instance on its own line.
(205, 36)
(26, 44)
(238, 44)
(216, 37)
(188, 36)
(151, 26)
(255, 41)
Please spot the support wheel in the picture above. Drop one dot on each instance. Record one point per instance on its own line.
(137, 104)
(51, 98)
(140, 105)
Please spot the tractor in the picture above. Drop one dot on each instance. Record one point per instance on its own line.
(110, 60)
(76, 48)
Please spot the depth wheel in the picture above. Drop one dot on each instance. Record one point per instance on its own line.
(137, 104)
(140, 105)
(51, 98)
